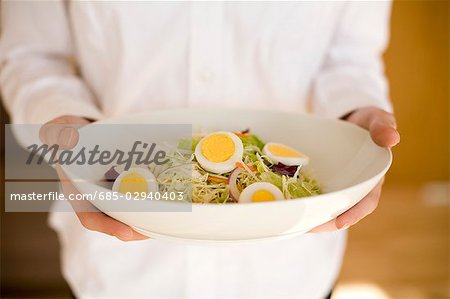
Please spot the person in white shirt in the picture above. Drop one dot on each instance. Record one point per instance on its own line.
(75, 62)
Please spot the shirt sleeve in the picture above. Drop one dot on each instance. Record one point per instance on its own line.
(352, 75)
(37, 75)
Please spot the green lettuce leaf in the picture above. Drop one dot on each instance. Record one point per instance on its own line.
(252, 140)
(273, 178)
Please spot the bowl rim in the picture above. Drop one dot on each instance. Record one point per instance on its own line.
(247, 110)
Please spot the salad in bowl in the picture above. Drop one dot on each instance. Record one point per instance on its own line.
(223, 167)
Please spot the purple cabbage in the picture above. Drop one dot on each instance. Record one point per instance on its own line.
(112, 174)
(284, 169)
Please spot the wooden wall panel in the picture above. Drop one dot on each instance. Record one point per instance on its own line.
(417, 65)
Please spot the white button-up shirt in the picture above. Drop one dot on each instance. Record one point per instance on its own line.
(104, 59)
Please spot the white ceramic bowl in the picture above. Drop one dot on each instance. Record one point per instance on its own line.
(343, 159)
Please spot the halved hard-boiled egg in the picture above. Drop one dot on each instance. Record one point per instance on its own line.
(280, 153)
(135, 180)
(218, 152)
(259, 192)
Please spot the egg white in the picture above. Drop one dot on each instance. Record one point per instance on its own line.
(289, 161)
(225, 166)
(247, 194)
(145, 173)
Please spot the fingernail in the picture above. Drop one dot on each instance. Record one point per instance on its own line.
(66, 137)
(345, 226)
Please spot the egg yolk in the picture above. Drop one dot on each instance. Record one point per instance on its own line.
(133, 182)
(218, 147)
(282, 151)
(262, 195)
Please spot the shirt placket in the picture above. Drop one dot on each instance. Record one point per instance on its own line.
(205, 53)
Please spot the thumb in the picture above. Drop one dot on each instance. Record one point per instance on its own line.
(381, 125)
(383, 133)
(62, 131)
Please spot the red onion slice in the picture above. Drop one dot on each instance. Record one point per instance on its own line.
(234, 191)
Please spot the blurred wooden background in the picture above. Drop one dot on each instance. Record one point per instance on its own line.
(402, 250)
(417, 65)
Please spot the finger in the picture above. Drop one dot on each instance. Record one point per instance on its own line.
(329, 226)
(67, 186)
(98, 221)
(363, 208)
(70, 190)
(343, 220)
(62, 131)
(93, 219)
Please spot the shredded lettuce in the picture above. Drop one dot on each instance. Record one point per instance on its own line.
(188, 143)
